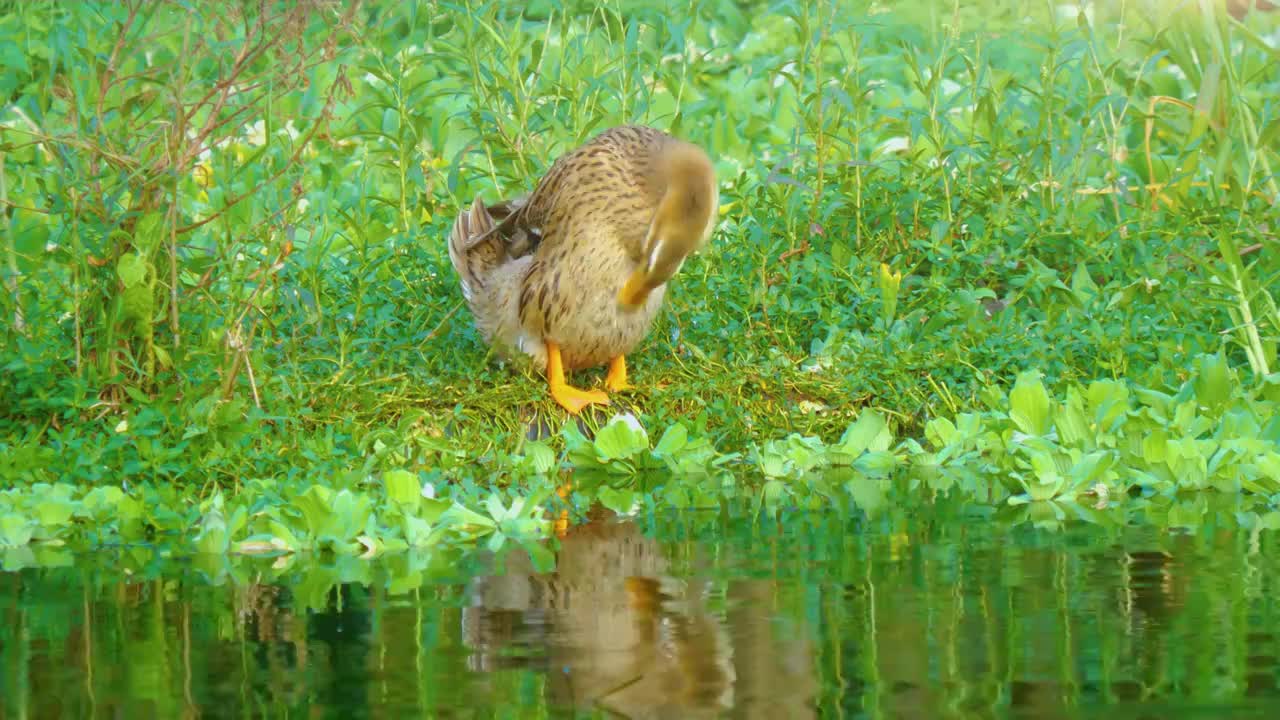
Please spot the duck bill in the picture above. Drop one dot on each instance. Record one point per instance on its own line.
(634, 293)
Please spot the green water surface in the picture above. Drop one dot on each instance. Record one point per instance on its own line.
(806, 615)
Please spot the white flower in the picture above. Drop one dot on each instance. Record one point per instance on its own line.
(257, 135)
(892, 145)
(781, 77)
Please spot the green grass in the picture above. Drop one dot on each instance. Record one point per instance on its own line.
(224, 231)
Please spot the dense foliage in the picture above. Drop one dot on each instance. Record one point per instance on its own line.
(1020, 253)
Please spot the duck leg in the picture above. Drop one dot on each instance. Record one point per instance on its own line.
(616, 379)
(570, 398)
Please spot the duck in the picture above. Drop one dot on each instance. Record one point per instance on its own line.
(572, 275)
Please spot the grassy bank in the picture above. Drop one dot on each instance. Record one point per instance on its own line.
(225, 264)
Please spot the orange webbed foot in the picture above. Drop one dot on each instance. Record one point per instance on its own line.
(569, 397)
(616, 379)
(575, 400)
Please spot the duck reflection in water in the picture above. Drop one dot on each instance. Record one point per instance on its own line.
(614, 630)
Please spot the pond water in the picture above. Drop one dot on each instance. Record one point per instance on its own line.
(911, 616)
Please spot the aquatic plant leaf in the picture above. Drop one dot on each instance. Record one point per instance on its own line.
(403, 488)
(419, 532)
(877, 463)
(940, 432)
(54, 513)
(15, 530)
(100, 502)
(314, 504)
(1091, 468)
(620, 440)
(15, 558)
(461, 517)
(539, 458)
(1213, 385)
(868, 432)
(771, 462)
(350, 516)
(674, 439)
(1029, 404)
(1071, 421)
(1109, 401)
(286, 537)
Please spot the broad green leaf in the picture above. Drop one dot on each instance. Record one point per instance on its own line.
(868, 432)
(286, 536)
(102, 499)
(430, 509)
(1072, 422)
(771, 462)
(461, 516)
(148, 233)
(15, 530)
(350, 515)
(673, 440)
(1154, 447)
(1213, 384)
(419, 532)
(619, 440)
(131, 269)
(315, 505)
(1109, 400)
(539, 457)
(403, 488)
(54, 513)
(877, 463)
(1029, 404)
(939, 432)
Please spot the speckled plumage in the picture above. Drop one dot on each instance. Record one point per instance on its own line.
(549, 267)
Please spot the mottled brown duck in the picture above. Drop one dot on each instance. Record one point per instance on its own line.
(573, 275)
